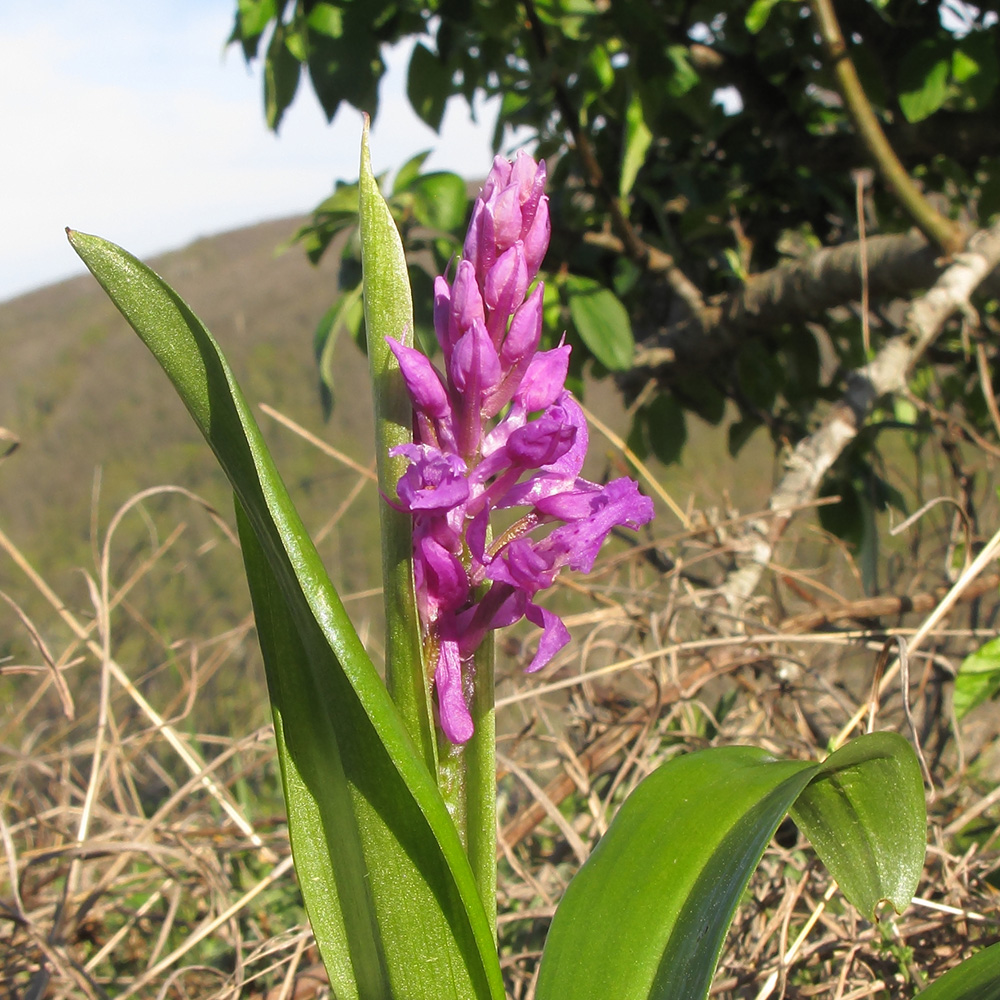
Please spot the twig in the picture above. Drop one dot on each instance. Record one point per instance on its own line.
(941, 230)
(886, 373)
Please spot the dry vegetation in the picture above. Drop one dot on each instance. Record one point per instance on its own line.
(145, 850)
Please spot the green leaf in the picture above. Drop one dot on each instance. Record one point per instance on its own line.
(347, 313)
(664, 881)
(253, 16)
(601, 321)
(976, 67)
(389, 313)
(281, 77)
(647, 915)
(440, 200)
(428, 85)
(864, 813)
(666, 428)
(637, 140)
(757, 15)
(977, 978)
(685, 76)
(978, 678)
(923, 80)
(326, 19)
(402, 915)
(409, 172)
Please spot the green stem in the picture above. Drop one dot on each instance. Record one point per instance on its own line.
(467, 779)
(937, 228)
(481, 778)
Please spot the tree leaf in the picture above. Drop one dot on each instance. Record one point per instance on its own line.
(347, 313)
(647, 915)
(281, 77)
(757, 15)
(923, 80)
(402, 915)
(440, 200)
(978, 678)
(666, 427)
(428, 85)
(601, 321)
(637, 141)
(977, 978)
(409, 172)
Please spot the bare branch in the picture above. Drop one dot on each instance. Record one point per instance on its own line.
(887, 373)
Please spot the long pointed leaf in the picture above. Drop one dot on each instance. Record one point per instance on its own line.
(977, 978)
(414, 925)
(389, 312)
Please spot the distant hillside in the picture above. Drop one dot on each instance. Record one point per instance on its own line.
(82, 394)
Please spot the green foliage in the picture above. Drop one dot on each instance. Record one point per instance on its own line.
(710, 131)
(383, 873)
(663, 883)
(601, 321)
(978, 678)
(429, 208)
(977, 978)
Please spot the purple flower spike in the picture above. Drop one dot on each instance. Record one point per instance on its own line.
(499, 430)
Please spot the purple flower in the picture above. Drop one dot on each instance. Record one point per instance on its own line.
(497, 430)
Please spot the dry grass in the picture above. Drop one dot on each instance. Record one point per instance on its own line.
(146, 856)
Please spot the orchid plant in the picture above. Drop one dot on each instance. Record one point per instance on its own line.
(390, 782)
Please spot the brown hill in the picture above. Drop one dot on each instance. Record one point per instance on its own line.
(84, 397)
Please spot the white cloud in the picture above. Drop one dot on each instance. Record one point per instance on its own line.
(127, 120)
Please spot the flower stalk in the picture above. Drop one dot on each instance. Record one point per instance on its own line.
(496, 434)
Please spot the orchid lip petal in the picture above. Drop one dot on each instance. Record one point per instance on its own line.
(452, 709)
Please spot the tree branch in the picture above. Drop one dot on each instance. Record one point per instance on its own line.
(947, 234)
(898, 265)
(636, 248)
(886, 373)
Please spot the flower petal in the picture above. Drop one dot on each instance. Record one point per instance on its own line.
(555, 635)
(452, 709)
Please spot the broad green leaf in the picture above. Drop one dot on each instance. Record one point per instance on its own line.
(978, 678)
(637, 140)
(923, 82)
(428, 85)
(663, 883)
(864, 813)
(647, 915)
(601, 321)
(402, 916)
(977, 978)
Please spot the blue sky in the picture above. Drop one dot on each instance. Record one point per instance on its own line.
(130, 120)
